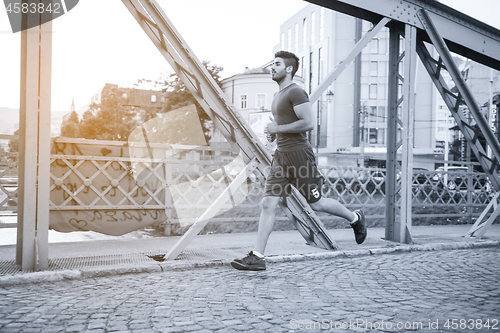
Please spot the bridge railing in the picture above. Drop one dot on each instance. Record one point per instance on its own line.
(192, 177)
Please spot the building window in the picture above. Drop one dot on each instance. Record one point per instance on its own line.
(364, 91)
(373, 114)
(383, 46)
(304, 34)
(310, 71)
(372, 91)
(322, 23)
(124, 95)
(373, 68)
(381, 94)
(153, 98)
(374, 46)
(382, 67)
(283, 41)
(296, 49)
(261, 101)
(243, 103)
(365, 68)
(313, 28)
(321, 63)
(381, 114)
(303, 68)
(289, 46)
(373, 135)
(381, 136)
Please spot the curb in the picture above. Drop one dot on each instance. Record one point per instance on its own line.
(380, 251)
(55, 276)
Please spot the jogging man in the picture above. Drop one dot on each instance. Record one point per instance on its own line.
(293, 162)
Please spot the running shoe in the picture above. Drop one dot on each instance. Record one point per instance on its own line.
(359, 227)
(249, 263)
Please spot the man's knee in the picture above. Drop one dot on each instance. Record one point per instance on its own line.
(318, 205)
(269, 204)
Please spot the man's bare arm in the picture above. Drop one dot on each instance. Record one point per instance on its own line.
(304, 124)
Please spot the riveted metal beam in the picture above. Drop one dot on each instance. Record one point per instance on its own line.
(34, 144)
(463, 34)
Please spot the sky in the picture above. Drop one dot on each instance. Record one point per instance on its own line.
(100, 42)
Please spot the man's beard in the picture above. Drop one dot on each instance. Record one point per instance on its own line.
(279, 77)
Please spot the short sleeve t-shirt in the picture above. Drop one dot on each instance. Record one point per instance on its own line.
(282, 109)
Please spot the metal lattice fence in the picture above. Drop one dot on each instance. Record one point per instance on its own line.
(8, 183)
(453, 194)
(177, 183)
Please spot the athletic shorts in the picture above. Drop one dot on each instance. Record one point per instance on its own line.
(297, 168)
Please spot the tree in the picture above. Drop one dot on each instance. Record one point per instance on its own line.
(14, 142)
(111, 119)
(114, 119)
(179, 96)
(70, 126)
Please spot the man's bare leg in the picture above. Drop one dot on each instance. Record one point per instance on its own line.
(332, 206)
(356, 218)
(255, 260)
(266, 222)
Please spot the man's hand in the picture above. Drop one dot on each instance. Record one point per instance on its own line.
(272, 127)
(271, 130)
(270, 137)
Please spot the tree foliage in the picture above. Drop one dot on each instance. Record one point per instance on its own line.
(111, 119)
(114, 119)
(179, 96)
(14, 142)
(70, 126)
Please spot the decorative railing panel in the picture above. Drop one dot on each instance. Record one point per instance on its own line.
(105, 189)
(8, 182)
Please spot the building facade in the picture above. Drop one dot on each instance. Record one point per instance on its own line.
(132, 96)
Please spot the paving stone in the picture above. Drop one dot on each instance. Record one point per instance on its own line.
(402, 287)
(232, 322)
(96, 324)
(212, 325)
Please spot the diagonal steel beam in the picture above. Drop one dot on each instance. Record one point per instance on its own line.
(490, 166)
(360, 45)
(482, 223)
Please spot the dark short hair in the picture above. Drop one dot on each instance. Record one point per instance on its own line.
(290, 59)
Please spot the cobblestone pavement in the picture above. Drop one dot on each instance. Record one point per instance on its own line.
(403, 292)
